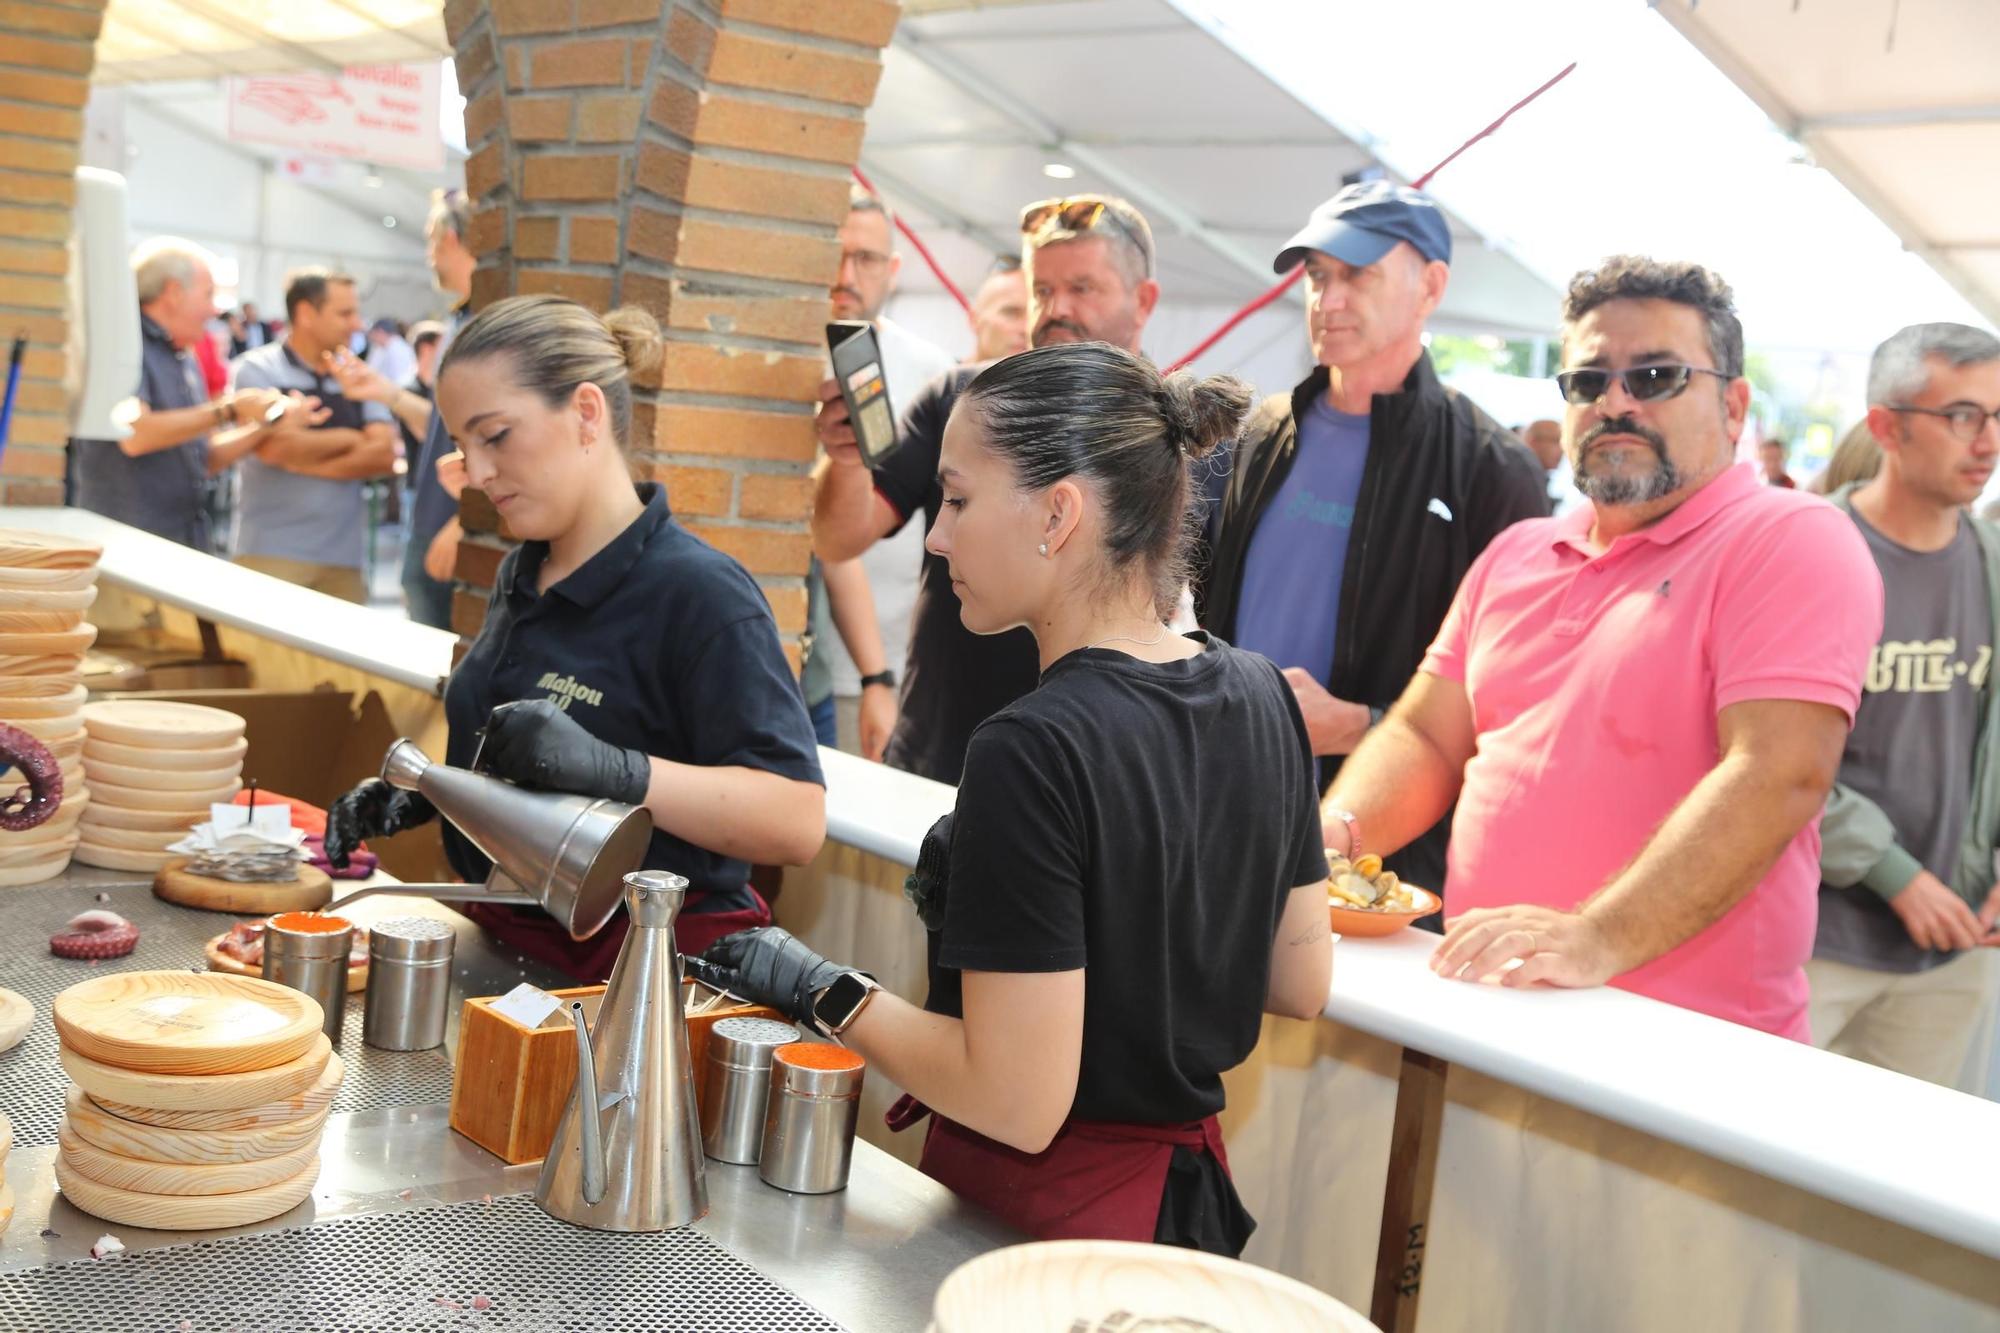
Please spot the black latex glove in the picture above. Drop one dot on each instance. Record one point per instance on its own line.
(535, 743)
(373, 809)
(769, 965)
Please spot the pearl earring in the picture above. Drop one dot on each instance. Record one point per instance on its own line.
(1043, 548)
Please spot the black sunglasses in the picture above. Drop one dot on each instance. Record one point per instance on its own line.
(1646, 383)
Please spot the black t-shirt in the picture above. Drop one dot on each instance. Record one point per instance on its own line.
(659, 643)
(1145, 822)
(954, 679)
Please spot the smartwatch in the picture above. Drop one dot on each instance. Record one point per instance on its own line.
(882, 677)
(835, 1008)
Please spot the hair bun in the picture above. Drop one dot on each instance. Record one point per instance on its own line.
(1202, 413)
(638, 337)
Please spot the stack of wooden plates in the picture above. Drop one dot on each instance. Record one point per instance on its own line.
(46, 584)
(153, 768)
(199, 1098)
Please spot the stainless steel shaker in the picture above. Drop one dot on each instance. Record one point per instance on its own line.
(809, 1122)
(308, 952)
(737, 1088)
(409, 983)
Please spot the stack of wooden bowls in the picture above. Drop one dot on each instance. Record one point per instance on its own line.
(199, 1098)
(46, 585)
(153, 767)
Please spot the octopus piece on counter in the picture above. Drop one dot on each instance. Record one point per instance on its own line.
(96, 934)
(32, 805)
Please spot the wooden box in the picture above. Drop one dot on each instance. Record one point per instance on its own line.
(509, 1084)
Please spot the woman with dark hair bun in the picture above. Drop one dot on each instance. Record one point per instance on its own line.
(1133, 874)
(621, 656)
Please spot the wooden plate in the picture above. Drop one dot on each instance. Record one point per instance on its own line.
(314, 1101)
(66, 730)
(168, 1212)
(131, 840)
(6, 1137)
(17, 1015)
(46, 599)
(195, 1179)
(311, 890)
(105, 815)
(30, 854)
(159, 761)
(42, 664)
(191, 1153)
(40, 687)
(6, 1205)
(74, 641)
(197, 1092)
(120, 858)
(218, 961)
(39, 622)
(41, 550)
(47, 580)
(41, 872)
(106, 1132)
(75, 801)
(151, 723)
(58, 705)
(162, 779)
(186, 1022)
(142, 798)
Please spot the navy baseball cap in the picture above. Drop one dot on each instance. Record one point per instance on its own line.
(1364, 221)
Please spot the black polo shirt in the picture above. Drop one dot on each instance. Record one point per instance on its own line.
(659, 643)
(164, 492)
(954, 679)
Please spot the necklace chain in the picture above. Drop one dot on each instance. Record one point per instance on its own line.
(1131, 638)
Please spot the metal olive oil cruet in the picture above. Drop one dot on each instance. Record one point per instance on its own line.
(627, 1153)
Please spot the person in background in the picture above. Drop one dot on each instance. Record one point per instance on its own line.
(850, 678)
(1771, 457)
(247, 331)
(157, 478)
(1545, 441)
(1134, 873)
(210, 353)
(1358, 500)
(302, 513)
(1901, 973)
(430, 552)
(426, 346)
(999, 315)
(1856, 458)
(621, 656)
(1639, 708)
(389, 352)
(1089, 265)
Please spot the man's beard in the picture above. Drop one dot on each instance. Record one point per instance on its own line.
(1619, 487)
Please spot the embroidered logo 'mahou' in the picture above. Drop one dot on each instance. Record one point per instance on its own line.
(564, 689)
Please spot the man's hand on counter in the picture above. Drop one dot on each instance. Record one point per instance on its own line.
(1535, 945)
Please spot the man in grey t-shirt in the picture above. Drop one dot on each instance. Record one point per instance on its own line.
(1901, 973)
(302, 515)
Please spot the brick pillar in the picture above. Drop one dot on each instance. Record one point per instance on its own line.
(690, 156)
(46, 53)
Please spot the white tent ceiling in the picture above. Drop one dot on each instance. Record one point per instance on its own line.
(147, 41)
(1901, 102)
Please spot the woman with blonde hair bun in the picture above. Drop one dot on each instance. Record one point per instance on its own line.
(621, 656)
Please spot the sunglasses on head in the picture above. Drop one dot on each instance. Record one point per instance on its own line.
(1080, 214)
(1647, 384)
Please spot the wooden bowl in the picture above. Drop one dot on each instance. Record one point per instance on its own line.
(92, 1124)
(1368, 923)
(1062, 1285)
(187, 1179)
(107, 1084)
(186, 1022)
(314, 1101)
(170, 1212)
(159, 761)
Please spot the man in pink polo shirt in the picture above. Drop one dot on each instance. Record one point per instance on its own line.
(1639, 707)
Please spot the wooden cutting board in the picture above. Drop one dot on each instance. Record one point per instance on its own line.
(314, 1101)
(311, 890)
(197, 1092)
(161, 779)
(186, 1022)
(75, 641)
(167, 1212)
(41, 550)
(150, 723)
(196, 1179)
(120, 858)
(161, 760)
(146, 798)
(106, 815)
(47, 580)
(14, 877)
(100, 1129)
(17, 1015)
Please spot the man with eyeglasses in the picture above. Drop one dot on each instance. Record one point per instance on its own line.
(1638, 708)
(1089, 266)
(1908, 904)
(1358, 500)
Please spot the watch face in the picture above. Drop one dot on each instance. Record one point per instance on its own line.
(836, 1007)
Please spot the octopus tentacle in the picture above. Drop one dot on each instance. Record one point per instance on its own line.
(37, 801)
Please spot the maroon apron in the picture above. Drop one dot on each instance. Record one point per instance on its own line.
(1097, 1180)
(534, 934)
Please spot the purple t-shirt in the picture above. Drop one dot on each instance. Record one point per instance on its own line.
(1289, 608)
